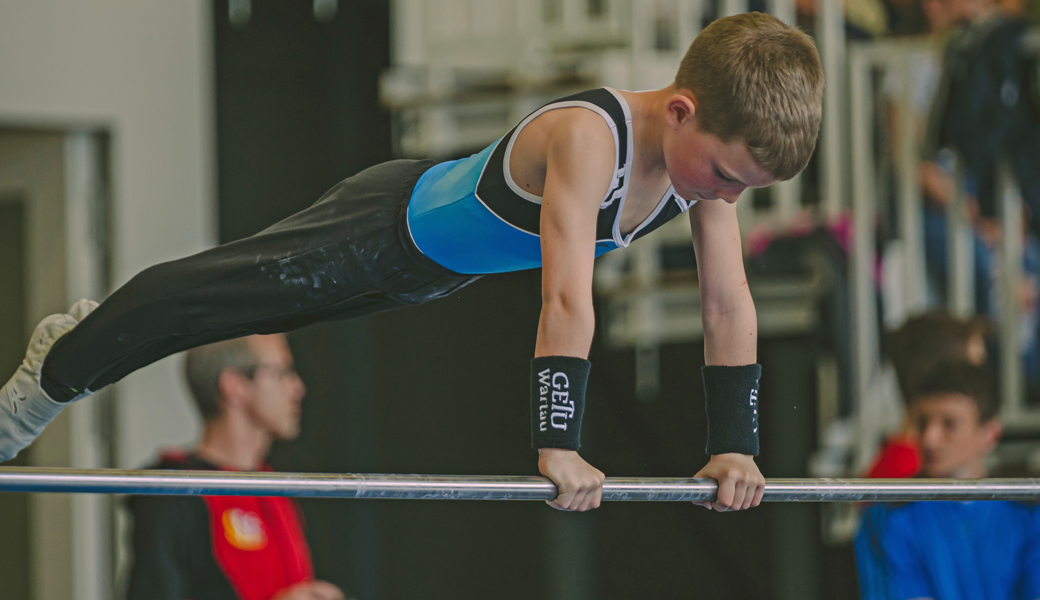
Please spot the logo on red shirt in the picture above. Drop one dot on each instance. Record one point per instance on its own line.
(244, 529)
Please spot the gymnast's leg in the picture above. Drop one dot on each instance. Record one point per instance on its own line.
(348, 254)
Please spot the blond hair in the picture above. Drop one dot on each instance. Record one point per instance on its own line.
(756, 79)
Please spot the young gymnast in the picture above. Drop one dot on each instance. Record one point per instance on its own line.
(581, 176)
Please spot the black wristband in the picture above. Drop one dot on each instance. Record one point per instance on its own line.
(731, 401)
(557, 401)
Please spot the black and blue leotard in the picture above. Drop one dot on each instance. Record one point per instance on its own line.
(468, 215)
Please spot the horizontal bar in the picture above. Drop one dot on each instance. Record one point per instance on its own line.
(473, 487)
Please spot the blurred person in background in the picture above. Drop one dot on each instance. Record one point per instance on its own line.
(938, 21)
(233, 547)
(913, 351)
(952, 550)
(949, 26)
(986, 110)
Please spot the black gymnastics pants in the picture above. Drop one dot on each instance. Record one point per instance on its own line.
(348, 255)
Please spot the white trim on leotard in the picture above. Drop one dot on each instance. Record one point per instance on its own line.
(541, 111)
(624, 240)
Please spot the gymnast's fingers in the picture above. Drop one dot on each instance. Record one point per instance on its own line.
(563, 500)
(759, 492)
(724, 499)
(591, 499)
(741, 494)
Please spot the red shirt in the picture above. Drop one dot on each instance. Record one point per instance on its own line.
(899, 458)
(215, 547)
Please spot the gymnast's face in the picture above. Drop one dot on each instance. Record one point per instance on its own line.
(700, 165)
(276, 391)
(954, 443)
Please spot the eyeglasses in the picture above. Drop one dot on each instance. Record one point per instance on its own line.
(281, 373)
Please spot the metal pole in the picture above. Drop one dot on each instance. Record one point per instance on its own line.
(1010, 261)
(830, 35)
(473, 487)
(960, 247)
(911, 227)
(865, 344)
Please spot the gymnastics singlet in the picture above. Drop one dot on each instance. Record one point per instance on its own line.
(469, 216)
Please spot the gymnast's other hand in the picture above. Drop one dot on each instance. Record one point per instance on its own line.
(311, 590)
(580, 484)
(741, 484)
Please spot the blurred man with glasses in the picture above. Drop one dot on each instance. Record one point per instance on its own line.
(212, 548)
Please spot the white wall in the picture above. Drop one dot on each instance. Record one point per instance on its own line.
(143, 70)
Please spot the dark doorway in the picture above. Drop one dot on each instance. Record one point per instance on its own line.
(14, 508)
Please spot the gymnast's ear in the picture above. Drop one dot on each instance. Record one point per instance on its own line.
(680, 107)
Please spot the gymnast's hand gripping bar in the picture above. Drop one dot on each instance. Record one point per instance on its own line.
(473, 487)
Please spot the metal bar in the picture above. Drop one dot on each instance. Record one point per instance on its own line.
(865, 343)
(960, 247)
(830, 27)
(472, 487)
(1010, 269)
(911, 226)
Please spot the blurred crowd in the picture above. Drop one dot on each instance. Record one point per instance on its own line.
(872, 19)
(975, 100)
(977, 105)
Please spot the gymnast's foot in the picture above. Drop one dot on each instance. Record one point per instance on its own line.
(24, 407)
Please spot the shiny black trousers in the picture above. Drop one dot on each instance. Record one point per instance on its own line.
(349, 254)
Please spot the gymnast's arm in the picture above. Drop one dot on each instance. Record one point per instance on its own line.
(730, 333)
(579, 168)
